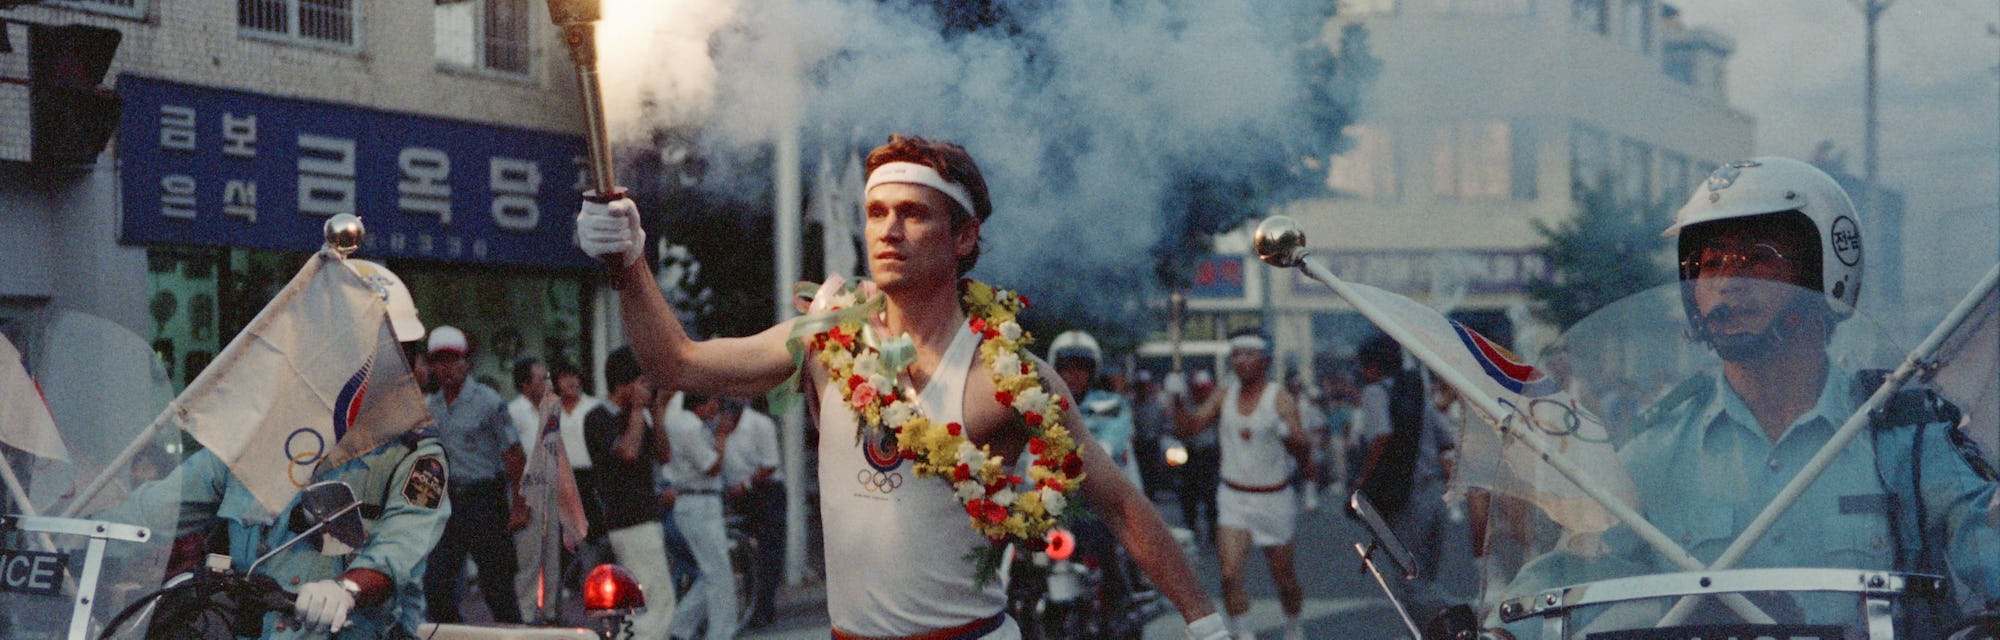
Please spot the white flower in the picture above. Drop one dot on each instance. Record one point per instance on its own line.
(1033, 399)
(869, 365)
(898, 412)
(1007, 363)
(1010, 330)
(1004, 498)
(971, 456)
(968, 490)
(1053, 501)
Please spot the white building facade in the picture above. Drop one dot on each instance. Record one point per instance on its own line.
(1486, 118)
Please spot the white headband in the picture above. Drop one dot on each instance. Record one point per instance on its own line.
(913, 173)
(1247, 341)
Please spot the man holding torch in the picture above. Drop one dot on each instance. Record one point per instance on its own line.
(942, 435)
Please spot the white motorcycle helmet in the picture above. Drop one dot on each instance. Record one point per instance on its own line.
(402, 308)
(1075, 344)
(1770, 184)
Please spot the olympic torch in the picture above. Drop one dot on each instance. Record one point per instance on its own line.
(578, 20)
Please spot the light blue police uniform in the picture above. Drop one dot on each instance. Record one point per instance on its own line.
(401, 486)
(1703, 470)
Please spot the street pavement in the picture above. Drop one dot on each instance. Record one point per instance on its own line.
(1341, 599)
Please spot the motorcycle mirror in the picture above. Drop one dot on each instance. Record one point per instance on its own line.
(330, 508)
(333, 503)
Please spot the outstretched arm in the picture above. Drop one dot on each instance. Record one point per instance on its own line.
(1132, 517)
(739, 366)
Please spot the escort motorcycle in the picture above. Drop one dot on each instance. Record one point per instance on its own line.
(1620, 488)
(1064, 590)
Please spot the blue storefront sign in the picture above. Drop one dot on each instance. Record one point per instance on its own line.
(208, 166)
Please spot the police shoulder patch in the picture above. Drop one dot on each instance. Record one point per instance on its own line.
(425, 486)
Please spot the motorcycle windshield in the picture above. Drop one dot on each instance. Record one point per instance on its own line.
(100, 385)
(1635, 458)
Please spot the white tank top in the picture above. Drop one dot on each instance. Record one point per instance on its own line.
(1253, 446)
(896, 544)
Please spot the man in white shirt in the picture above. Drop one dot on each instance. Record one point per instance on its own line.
(696, 474)
(575, 405)
(755, 489)
(531, 380)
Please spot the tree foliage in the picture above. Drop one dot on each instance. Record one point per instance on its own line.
(1607, 251)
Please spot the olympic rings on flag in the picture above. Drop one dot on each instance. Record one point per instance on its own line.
(303, 456)
(878, 481)
(1560, 419)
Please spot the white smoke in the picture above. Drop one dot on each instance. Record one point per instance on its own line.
(1081, 114)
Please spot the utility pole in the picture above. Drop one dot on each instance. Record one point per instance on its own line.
(1871, 14)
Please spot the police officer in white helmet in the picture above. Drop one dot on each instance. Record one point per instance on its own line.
(1770, 263)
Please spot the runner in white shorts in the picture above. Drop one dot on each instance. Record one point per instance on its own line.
(1262, 444)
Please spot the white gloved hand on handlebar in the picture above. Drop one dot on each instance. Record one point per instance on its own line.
(324, 605)
(1208, 627)
(608, 229)
(1175, 384)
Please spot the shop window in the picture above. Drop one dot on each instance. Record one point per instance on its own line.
(1473, 161)
(485, 34)
(507, 316)
(317, 21)
(1367, 171)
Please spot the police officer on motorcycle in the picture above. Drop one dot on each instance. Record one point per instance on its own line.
(1770, 263)
(374, 591)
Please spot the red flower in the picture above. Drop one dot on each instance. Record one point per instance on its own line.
(1005, 398)
(1024, 300)
(973, 508)
(1053, 483)
(1072, 465)
(1013, 479)
(909, 454)
(994, 513)
(1036, 445)
(864, 395)
(854, 380)
(961, 473)
(954, 428)
(978, 324)
(1032, 418)
(1062, 402)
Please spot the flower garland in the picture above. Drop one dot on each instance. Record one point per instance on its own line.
(868, 373)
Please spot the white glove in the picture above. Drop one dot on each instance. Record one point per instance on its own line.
(324, 605)
(604, 230)
(1208, 627)
(1175, 384)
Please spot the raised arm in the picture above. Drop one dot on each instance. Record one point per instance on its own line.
(1188, 424)
(740, 366)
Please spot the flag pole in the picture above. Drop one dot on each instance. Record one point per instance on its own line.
(343, 236)
(1281, 243)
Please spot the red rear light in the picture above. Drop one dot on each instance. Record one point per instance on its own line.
(610, 590)
(1061, 544)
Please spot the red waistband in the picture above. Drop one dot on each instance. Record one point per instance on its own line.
(1251, 489)
(967, 631)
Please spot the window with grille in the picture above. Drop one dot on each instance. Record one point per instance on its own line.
(328, 21)
(485, 34)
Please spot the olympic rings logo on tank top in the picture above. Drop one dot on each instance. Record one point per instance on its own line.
(879, 481)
